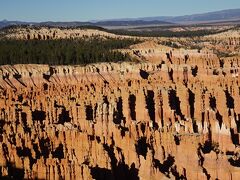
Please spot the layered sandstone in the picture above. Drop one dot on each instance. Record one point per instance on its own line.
(45, 33)
(174, 116)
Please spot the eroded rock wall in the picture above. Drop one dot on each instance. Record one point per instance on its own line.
(121, 121)
(45, 33)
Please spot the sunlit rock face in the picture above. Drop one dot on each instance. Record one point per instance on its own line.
(175, 118)
(51, 33)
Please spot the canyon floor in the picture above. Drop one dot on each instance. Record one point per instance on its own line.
(172, 113)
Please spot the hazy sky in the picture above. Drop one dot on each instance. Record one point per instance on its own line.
(82, 10)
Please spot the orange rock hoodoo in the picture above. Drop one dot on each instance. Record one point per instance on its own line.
(178, 118)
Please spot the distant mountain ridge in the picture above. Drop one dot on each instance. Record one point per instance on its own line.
(217, 16)
(77, 23)
(224, 15)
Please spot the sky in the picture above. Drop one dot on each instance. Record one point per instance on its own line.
(85, 10)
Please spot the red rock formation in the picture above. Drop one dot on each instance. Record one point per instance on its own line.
(121, 121)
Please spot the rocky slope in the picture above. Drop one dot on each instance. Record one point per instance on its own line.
(176, 116)
(45, 33)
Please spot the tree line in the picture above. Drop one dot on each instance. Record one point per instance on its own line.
(165, 33)
(64, 52)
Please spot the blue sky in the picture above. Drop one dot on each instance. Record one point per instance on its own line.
(79, 10)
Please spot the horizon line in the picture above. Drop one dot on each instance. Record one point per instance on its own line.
(117, 19)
